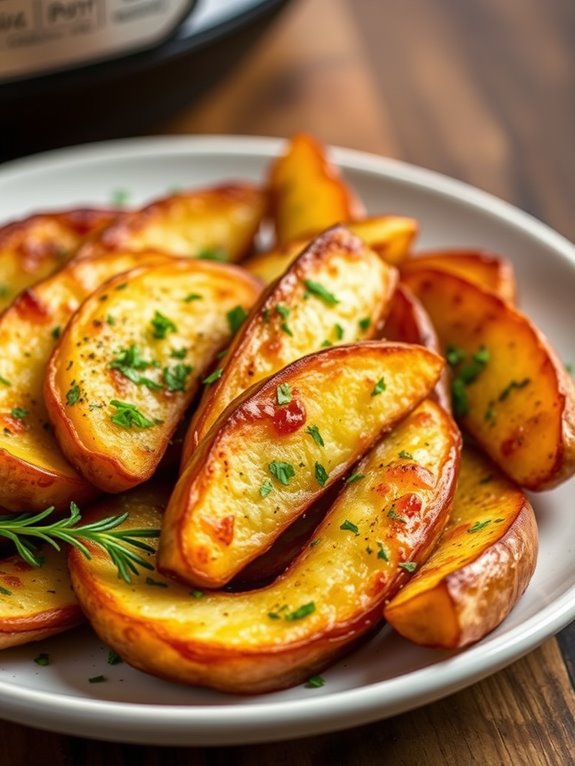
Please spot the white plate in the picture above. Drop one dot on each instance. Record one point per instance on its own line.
(387, 676)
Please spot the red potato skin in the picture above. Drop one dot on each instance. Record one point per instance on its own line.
(408, 322)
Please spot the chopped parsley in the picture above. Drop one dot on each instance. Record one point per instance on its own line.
(382, 552)
(478, 525)
(4, 381)
(236, 317)
(56, 332)
(459, 397)
(315, 288)
(4, 591)
(315, 682)
(192, 297)
(391, 514)
(266, 488)
(338, 331)
(176, 377)
(213, 254)
(197, 593)
(303, 611)
(128, 415)
(129, 362)
(156, 583)
(178, 353)
(405, 455)
(110, 320)
(73, 395)
(454, 355)
(114, 658)
(42, 659)
(409, 566)
(162, 326)
(283, 472)
(97, 680)
(513, 385)
(354, 477)
(283, 394)
(313, 431)
(326, 344)
(284, 313)
(19, 413)
(215, 375)
(349, 526)
(321, 474)
(379, 387)
(364, 324)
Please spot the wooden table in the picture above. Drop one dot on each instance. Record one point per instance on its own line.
(482, 90)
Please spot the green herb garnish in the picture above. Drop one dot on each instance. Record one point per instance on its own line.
(162, 326)
(129, 362)
(114, 658)
(97, 680)
(42, 659)
(283, 472)
(313, 431)
(349, 526)
(176, 377)
(283, 394)
(192, 297)
(213, 254)
(315, 682)
(128, 415)
(315, 288)
(478, 525)
(405, 455)
(513, 385)
(409, 566)
(321, 474)
(379, 387)
(364, 324)
(19, 413)
(215, 375)
(338, 331)
(300, 612)
(266, 488)
(354, 477)
(236, 317)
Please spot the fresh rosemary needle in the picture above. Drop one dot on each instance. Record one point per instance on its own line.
(104, 533)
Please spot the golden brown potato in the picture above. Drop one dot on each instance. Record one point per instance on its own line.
(336, 292)
(33, 471)
(408, 322)
(493, 272)
(36, 602)
(131, 361)
(218, 223)
(33, 248)
(388, 235)
(509, 390)
(381, 526)
(275, 451)
(308, 193)
(481, 566)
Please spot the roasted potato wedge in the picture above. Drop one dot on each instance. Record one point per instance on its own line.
(408, 322)
(131, 361)
(218, 223)
(481, 566)
(509, 390)
(279, 447)
(389, 235)
(493, 272)
(336, 292)
(381, 527)
(33, 471)
(33, 248)
(307, 191)
(36, 602)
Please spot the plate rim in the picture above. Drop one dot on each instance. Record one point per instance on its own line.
(267, 721)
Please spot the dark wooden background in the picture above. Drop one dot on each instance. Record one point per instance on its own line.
(482, 90)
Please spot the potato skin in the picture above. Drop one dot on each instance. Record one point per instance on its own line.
(390, 236)
(471, 582)
(288, 322)
(226, 510)
(40, 602)
(33, 471)
(307, 191)
(521, 406)
(34, 247)
(490, 271)
(408, 322)
(220, 220)
(109, 456)
(228, 641)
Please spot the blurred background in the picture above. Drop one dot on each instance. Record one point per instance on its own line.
(478, 89)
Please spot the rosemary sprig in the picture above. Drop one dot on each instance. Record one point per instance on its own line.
(103, 533)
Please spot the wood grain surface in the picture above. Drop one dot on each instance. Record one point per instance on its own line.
(482, 90)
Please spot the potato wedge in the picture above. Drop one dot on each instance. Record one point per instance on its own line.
(493, 272)
(131, 361)
(408, 322)
(509, 390)
(480, 568)
(388, 235)
(381, 527)
(336, 292)
(33, 248)
(218, 223)
(307, 191)
(278, 448)
(33, 471)
(36, 602)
